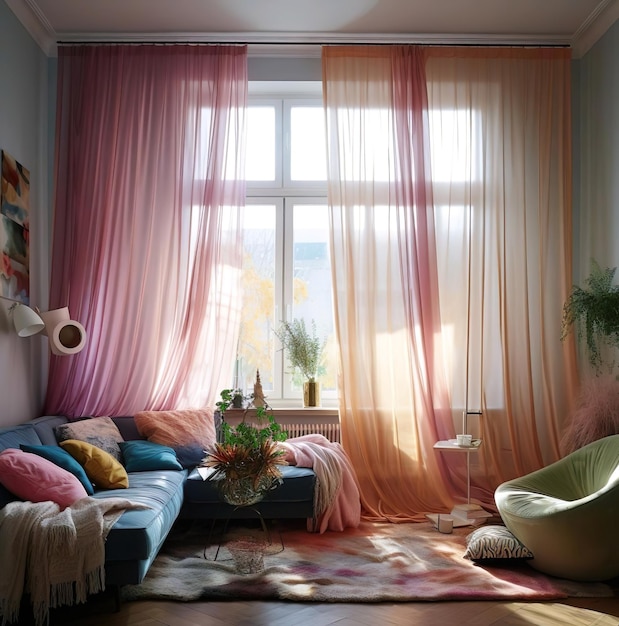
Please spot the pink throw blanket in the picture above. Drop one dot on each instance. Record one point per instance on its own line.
(337, 504)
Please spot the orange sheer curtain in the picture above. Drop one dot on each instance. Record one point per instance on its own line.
(451, 253)
(500, 129)
(392, 404)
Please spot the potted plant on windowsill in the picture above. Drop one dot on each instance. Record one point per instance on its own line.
(304, 352)
(247, 459)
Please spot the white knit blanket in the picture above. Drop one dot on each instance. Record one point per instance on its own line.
(56, 556)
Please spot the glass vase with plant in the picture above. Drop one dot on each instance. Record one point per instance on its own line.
(304, 351)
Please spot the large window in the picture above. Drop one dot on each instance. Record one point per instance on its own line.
(286, 271)
(286, 267)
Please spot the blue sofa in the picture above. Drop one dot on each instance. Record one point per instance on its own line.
(136, 538)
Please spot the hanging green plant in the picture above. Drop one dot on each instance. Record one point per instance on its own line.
(594, 310)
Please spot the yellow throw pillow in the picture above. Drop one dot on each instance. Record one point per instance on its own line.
(100, 466)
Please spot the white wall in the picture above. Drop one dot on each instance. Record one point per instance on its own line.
(596, 155)
(24, 127)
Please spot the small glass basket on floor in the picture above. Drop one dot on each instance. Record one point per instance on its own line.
(248, 554)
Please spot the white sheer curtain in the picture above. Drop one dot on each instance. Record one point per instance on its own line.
(393, 403)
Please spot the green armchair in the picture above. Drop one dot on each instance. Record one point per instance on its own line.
(567, 513)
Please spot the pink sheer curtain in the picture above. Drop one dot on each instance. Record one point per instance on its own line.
(393, 398)
(146, 244)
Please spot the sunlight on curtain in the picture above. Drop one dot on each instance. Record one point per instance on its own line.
(500, 133)
(459, 283)
(392, 404)
(146, 249)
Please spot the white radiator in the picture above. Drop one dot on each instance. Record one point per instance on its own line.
(295, 423)
(330, 431)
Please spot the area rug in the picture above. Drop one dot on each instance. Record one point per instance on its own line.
(373, 563)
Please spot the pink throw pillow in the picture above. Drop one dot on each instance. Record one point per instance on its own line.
(33, 478)
(190, 432)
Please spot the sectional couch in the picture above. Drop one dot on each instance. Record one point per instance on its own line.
(170, 494)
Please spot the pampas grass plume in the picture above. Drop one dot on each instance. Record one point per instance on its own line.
(596, 415)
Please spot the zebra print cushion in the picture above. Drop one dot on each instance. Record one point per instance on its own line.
(494, 542)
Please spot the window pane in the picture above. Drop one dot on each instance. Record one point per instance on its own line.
(255, 349)
(312, 283)
(365, 145)
(308, 160)
(260, 165)
(286, 270)
(455, 137)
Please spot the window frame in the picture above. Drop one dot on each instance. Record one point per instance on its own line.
(284, 193)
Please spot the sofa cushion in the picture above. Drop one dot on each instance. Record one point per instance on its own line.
(35, 479)
(102, 468)
(189, 432)
(16, 435)
(45, 425)
(101, 432)
(298, 485)
(293, 499)
(63, 459)
(141, 456)
(6, 496)
(127, 427)
(140, 532)
(12, 437)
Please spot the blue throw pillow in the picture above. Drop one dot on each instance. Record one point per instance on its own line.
(60, 457)
(143, 456)
(190, 455)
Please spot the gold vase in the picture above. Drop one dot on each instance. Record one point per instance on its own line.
(311, 393)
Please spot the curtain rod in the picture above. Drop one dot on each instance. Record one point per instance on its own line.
(316, 44)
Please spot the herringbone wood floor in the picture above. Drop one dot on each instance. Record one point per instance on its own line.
(575, 612)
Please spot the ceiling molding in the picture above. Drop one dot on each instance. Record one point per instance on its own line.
(35, 22)
(308, 44)
(594, 27)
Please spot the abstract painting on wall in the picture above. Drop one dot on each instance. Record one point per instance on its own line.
(15, 231)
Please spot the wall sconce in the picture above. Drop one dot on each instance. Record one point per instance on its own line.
(66, 336)
(25, 320)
